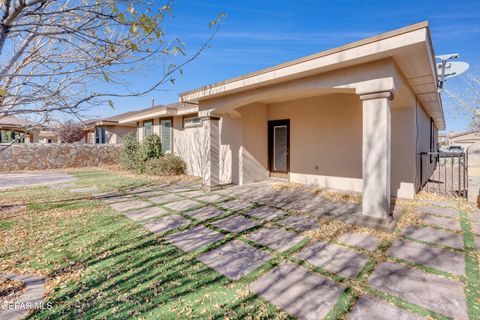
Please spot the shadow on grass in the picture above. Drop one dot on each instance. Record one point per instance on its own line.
(127, 272)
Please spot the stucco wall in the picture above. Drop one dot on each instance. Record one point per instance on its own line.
(325, 146)
(422, 139)
(253, 164)
(189, 144)
(115, 134)
(325, 140)
(38, 156)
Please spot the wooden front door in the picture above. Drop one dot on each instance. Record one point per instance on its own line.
(279, 148)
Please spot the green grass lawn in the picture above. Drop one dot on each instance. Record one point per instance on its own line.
(102, 265)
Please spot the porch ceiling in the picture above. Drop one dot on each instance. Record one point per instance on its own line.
(410, 48)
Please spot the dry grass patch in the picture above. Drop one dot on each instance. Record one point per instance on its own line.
(10, 290)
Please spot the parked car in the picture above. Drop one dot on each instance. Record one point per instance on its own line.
(455, 149)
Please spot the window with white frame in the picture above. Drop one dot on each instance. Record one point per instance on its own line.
(189, 122)
(100, 135)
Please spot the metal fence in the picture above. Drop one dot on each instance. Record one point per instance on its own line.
(444, 173)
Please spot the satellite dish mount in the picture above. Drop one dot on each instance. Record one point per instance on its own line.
(448, 69)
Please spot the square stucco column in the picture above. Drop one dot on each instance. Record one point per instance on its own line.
(376, 154)
(211, 174)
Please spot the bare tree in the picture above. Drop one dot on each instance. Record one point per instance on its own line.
(56, 55)
(467, 100)
(70, 132)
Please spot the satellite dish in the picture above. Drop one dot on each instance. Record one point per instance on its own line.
(452, 69)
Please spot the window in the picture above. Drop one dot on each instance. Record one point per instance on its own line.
(100, 135)
(147, 128)
(192, 122)
(432, 139)
(166, 126)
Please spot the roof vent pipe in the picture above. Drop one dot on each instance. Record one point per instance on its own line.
(153, 102)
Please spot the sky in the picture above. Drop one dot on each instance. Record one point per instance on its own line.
(260, 33)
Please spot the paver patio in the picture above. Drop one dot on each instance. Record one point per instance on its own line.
(298, 291)
(235, 224)
(433, 292)
(205, 213)
(434, 236)
(299, 223)
(374, 309)
(441, 259)
(236, 205)
(118, 198)
(276, 239)
(165, 198)
(445, 223)
(193, 193)
(441, 211)
(194, 238)
(182, 205)
(146, 213)
(129, 205)
(340, 260)
(166, 223)
(212, 198)
(265, 213)
(235, 259)
(361, 240)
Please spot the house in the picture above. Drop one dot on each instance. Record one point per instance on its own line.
(16, 129)
(108, 130)
(352, 118)
(174, 123)
(463, 139)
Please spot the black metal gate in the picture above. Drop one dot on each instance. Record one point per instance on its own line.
(444, 173)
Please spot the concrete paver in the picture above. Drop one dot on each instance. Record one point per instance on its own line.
(205, 213)
(194, 238)
(430, 291)
(375, 309)
(361, 240)
(298, 291)
(446, 223)
(299, 223)
(182, 205)
(333, 258)
(146, 213)
(441, 259)
(129, 205)
(434, 236)
(235, 259)
(265, 213)
(235, 223)
(276, 239)
(166, 223)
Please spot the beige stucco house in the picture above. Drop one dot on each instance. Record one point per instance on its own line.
(352, 118)
(463, 139)
(108, 130)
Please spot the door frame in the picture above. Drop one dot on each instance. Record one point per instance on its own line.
(271, 125)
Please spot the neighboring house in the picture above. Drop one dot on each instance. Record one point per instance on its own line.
(108, 130)
(463, 139)
(49, 135)
(174, 123)
(15, 129)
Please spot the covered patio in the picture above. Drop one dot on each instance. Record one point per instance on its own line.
(342, 119)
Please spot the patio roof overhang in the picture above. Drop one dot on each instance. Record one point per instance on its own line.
(160, 112)
(409, 47)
